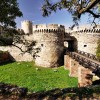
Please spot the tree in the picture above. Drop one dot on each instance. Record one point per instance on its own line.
(9, 10)
(76, 7)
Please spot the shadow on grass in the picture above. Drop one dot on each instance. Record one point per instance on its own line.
(6, 62)
(75, 93)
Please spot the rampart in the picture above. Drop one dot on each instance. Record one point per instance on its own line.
(87, 39)
(48, 28)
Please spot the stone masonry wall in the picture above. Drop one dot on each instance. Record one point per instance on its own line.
(51, 49)
(17, 54)
(71, 65)
(51, 42)
(86, 42)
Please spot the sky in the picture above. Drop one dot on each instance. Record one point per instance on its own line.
(31, 10)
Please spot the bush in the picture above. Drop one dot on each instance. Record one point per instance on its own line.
(6, 41)
(98, 50)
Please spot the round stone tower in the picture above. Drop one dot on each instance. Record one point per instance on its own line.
(27, 27)
(50, 40)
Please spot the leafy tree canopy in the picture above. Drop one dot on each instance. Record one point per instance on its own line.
(75, 7)
(9, 10)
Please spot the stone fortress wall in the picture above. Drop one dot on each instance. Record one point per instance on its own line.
(87, 38)
(16, 53)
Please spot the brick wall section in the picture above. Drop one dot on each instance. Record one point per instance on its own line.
(67, 62)
(84, 76)
(74, 68)
(71, 65)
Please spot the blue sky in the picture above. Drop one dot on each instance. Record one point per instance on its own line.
(31, 10)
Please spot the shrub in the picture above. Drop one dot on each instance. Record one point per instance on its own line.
(98, 50)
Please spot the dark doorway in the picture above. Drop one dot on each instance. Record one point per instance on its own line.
(71, 45)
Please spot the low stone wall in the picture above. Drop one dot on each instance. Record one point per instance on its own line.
(16, 53)
(4, 57)
(13, 92)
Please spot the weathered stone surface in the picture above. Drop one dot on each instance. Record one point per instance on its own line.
(51, 42)
(67, 62)
(84, 76)
(16, 53)
(86, 39)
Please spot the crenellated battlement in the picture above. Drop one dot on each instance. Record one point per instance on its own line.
(87, 31)
(84, 29)
(48, 28)
(26, 21)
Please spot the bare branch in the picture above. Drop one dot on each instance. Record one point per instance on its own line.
(94, 15)
(90, 6)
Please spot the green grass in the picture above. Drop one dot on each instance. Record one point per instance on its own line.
(24, 74)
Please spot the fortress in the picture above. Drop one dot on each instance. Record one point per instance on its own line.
(53, 40)
(55, 46)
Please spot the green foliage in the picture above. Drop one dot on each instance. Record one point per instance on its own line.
(36, 78)
(98, 50)
(9, 10)
(4, 41)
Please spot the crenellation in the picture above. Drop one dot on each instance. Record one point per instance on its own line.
(48, 28)
(87, 31)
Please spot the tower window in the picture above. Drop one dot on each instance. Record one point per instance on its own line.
(85, 45)
(42, 45)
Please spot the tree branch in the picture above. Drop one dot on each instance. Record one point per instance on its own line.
(90, 6)
(94, 15)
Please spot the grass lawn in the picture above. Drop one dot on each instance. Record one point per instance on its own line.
(27, 74)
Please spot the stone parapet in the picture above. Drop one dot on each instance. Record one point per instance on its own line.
(48, 28)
